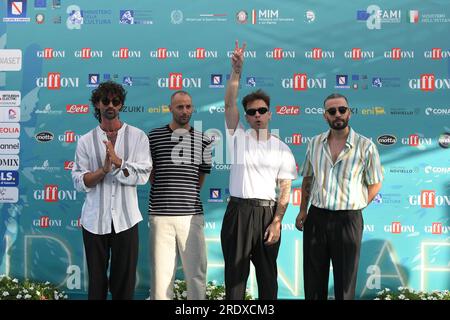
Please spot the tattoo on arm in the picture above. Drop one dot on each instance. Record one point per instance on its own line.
(283, 198)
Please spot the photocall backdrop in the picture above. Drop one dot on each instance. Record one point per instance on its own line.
(391, 59)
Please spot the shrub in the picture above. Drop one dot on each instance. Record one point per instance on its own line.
(404, 293)
(13, 289)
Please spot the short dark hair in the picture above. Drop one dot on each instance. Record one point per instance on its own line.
(179, 92)
(334, 96)
(106, 89)
(256, 95)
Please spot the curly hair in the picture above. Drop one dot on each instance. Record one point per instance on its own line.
(105, 89)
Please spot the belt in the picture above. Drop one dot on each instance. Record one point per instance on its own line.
(254, 202)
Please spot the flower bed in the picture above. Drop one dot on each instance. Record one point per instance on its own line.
(13, 289)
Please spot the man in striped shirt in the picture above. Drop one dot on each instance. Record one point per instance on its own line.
(110, 161)
(182, 158)
(341, 176)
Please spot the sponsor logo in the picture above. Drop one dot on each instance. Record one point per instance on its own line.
(387, 140)
(437, 54)
(176, 81)
(45, 167)
(10, 60)
(10, 114)
(52, 193)
(125, 53)
(319, 54)
(217, 81)
(297, 139)
(77, 108)
(218, 109)
(301, 82)
(296, 196)
(69, 137)
(280, 54)
(288, 110)
(215, 195)
(242, 17)
(68, 165)
(405, 111)
(359, 54)
(437, 228)
(88, 53)
(163, 53)
(50, 53)
(46, 222)
(9, 130)
(437, 170)
(429, 199)
(44, 136)
(54, 81)
(202, 53)
(48, 110)
(396, 227)
(374, 111)
(414, 140)
(444, 140)
(9, 178)
(428, 82)
(10, 98)
(399, 54)
(248, 54)
(9, 146)
(16, 11)
(9, 194)
(9, 162)
(437, 111)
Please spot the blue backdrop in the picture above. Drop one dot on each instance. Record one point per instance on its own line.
(391, 59)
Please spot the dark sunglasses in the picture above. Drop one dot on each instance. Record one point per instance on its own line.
(252, 112)
(115, 101)
(332, 111)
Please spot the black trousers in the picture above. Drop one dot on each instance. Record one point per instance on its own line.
(123, 247)
(336, 236)
(242, 238)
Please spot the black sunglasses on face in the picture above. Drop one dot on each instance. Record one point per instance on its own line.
(252, 112)
(115, 101)
(332, 111)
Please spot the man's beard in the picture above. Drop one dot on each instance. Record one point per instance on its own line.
(342, 124)
(110, 115)
(182, 120)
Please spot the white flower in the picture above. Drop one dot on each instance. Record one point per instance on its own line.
(15, 280)
(38, 293)
(402, 297)
(19, 296)
(184, 294)
(47, 283)
(27, 296)
(387, 289)
(5, 293)
(66, 297)
(388, 297)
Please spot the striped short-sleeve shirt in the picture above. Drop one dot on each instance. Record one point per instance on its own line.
(342, 185)
(179, 157)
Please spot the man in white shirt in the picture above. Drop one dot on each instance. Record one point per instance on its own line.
(251, 227)
(110, 161)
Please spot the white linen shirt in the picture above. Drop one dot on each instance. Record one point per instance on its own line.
(114, 199)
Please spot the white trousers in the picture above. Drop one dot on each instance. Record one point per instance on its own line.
(172, 237)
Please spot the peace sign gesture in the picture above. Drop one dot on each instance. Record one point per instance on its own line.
(237, 59)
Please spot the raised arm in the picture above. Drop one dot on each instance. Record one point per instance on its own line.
(231, 110)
